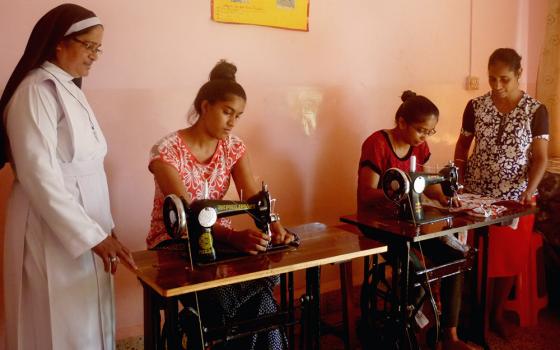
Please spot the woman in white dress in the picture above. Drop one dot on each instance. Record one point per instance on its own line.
(60, 249)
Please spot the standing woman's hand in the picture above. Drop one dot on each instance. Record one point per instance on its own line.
(111, 251)
(526, 198)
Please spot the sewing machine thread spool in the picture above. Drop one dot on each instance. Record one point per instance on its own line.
(207, 217)
(206, 252)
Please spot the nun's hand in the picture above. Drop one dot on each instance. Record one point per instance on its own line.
(112, 252)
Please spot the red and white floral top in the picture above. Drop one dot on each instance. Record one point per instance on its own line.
(172, 150)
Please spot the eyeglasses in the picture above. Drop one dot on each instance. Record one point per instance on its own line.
(424, 131)
(88, 45)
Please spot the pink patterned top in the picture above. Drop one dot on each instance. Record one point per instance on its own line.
(172, 150)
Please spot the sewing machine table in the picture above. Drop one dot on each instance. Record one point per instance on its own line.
(167, 275)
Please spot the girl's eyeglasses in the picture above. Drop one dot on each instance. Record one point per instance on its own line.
(424, 131)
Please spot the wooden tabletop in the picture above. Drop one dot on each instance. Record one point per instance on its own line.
(170, 274)
(384, 222)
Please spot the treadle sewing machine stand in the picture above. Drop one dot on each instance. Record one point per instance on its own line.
(414, 223)
(398, 234)
(169, 338)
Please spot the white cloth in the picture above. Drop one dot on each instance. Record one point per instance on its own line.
(57, 294)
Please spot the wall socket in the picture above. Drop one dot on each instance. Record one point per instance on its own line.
(472, 83)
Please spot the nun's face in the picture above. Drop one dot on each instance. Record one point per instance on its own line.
(76, 55)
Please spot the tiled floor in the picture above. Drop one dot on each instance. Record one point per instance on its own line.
(132, 343)
(545, 336)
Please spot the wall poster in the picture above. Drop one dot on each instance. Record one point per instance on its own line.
(288, 14)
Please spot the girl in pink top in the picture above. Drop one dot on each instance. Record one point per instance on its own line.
(206, 154)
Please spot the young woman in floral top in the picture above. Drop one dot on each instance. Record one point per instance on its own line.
(508, 161)
(207, 155)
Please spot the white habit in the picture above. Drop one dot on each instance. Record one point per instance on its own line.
(57, 294)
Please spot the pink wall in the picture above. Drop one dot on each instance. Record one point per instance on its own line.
(357, 57)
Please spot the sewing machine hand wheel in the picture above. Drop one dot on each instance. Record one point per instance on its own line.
(395, 184)
(451, 186)
(174, 216)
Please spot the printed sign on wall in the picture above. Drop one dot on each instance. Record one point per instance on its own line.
(289, 14)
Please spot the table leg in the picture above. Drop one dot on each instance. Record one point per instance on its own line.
(287, 304)
(368, 294)
(312, 320)
(171, 322)
(480, 332)
(347, 306)
(396, 301)
(151, 319)
(406, 334)
(291, 308)
(283, 294)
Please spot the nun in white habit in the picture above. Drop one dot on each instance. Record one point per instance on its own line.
(60, 250)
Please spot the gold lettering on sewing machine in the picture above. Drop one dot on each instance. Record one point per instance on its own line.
(234, 207)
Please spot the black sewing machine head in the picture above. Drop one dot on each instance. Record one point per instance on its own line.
(405, 189)
(195, 221)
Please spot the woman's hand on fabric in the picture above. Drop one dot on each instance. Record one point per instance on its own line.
(445, 201)
(279, 234)
(455, 201)
(249, 241)
(111, 251)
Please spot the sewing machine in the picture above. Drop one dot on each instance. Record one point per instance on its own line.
(406, 188)
(194, 222)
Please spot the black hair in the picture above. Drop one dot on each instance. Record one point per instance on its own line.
(507, 56)
(415, 108)
(221, 84)
(41, 45)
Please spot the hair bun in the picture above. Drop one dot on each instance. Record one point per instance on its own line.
(407, 94)
(223, 70)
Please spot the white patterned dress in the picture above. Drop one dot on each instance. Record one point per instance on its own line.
(498, 168)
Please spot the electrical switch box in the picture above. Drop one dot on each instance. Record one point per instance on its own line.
(472, 83)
